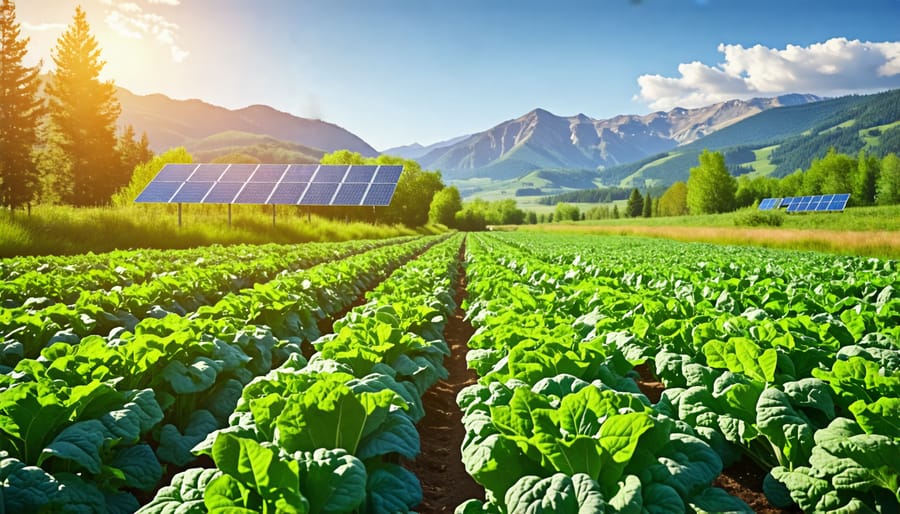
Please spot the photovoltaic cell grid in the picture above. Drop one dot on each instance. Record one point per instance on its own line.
(274, 184)
(817, 203)
(770, 203)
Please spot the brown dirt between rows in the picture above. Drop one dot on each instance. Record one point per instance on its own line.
(439, 467)
(743, 479)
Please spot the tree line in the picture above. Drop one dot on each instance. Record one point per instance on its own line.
(60, 144)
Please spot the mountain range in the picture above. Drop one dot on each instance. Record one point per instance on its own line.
(197, 124)
(542, 152)
(540, 139)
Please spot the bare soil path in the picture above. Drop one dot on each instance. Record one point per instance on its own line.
(445, 483)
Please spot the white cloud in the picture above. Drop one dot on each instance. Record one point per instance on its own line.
(833, 68)
(130, 20)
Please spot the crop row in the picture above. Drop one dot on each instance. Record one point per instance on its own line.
(86, 426)
(789, 359)
(64, 278)
(556, 418)
(326, 435)
(27, 328)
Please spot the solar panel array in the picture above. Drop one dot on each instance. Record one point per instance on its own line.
(273, 184)
(816, 203)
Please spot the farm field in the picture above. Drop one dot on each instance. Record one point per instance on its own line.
(488, 373)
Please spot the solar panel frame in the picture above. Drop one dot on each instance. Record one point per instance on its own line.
(192, 192)
(207, 173)
(361, 174)
(350, 193)
(223, 192)
(387, 174)
(268, 173)
(330, 174)
(158, 192)
(255, 193)
(300, 173)
(319, 193)
(174, 173)
(287, 193)
(379, 195)
(238, 173)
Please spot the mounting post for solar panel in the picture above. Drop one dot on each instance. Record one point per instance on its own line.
(229, 215)
(273, 214)
(179, 214)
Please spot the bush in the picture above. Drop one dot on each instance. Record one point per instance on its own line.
(759, 219)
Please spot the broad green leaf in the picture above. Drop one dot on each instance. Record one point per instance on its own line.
(332, 480)
(396, 434)
(716, 501)
(257, 469)
(560, 493)
(139, 465)
(881, 417)
(79, 443)
(391, 489)
(184, 495)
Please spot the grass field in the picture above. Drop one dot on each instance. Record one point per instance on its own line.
(67, 230)
(866, 231)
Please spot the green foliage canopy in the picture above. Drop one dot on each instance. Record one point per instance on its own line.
(711, 188)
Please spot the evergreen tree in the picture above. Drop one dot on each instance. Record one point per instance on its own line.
(85, 111)
(20, 113)
(648, 206)
(635, 204)
(131, 151)
(710, 188)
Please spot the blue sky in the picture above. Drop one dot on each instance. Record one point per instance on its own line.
(396, 72)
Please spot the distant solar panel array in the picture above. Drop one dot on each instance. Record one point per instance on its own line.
(273, 184)
(817, 203)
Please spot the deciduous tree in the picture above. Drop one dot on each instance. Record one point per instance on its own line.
(20, 112)
(444, 206)
(710, 188)
(674, 201)
(888, 186)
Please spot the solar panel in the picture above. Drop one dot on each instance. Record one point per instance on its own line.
(300, 173)
(223, 192)
(319, 194)
(238, 173)
(387, 175)
(175, 173)
(379, 194)
(275, 184)
(255, 193)
(770, 203)
(158, 192)
(330, 174)
(207, 172)
(288, 193)
(269, 173)
(192, 192)
(819, 203)
(350, 194)
(362, 174)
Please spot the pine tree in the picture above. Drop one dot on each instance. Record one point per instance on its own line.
(85, 111)
(648, 206)
(635, 204)
(20, 113)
